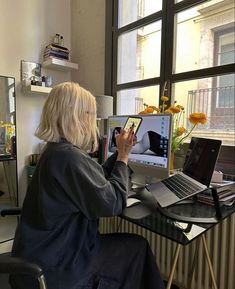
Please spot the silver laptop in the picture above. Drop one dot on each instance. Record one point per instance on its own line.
(195, 177)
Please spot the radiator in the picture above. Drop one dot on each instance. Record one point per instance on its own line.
(221, 245)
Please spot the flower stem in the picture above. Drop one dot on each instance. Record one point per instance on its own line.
(183, 138)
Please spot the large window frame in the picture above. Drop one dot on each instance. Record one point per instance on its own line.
(167, 16)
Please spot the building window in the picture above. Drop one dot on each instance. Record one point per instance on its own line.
(224, 54)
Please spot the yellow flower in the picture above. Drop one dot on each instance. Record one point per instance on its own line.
(180, 107)
(143, 112)
(180, 130)
(149, 109)
(174, 109)
(179, 133)
(197, 117)
(168, 111)
(154, 108)
(164, 98)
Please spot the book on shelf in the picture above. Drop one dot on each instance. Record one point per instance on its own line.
(57, 47)
(56, 51)
(56, 54)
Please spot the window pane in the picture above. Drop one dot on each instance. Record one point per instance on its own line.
(213, 96)
(204, 36)
(139, 53)
(132, 10)
(132, 101)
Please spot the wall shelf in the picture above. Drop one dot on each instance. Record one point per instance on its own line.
(35, 89)
(59, 64)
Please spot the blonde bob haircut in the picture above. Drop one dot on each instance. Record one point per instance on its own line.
(69, 112)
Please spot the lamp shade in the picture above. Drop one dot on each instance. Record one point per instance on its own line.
(104, 106)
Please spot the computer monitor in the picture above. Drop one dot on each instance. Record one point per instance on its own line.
(150, 156)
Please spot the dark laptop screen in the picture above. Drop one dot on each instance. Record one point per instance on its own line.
(201, 158)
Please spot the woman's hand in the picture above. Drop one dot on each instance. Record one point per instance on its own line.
(125, 141)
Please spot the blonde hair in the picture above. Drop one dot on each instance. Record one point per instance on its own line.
(69, 112)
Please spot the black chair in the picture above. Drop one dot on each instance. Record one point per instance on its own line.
(13, 265)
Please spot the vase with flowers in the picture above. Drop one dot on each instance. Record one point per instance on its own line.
(179, 132)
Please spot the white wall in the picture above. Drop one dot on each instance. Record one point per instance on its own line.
(88, 43)
(26, 27)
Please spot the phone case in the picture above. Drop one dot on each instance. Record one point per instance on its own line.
(133, 120)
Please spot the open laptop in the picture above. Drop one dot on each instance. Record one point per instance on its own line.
(195, 177)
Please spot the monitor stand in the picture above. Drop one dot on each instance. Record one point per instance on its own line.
(139, 182)
(135, 189)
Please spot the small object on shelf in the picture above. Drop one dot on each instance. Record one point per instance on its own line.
(39, 82)
(33, 80)
(43, 81)
(29, 70)
(56, 39)
(61, 41)
(48, 81)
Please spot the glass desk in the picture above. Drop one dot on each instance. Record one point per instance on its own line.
(150, 216)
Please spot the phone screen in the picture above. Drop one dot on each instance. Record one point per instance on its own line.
(134, 123)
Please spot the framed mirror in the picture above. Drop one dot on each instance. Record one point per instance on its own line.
(8, 158)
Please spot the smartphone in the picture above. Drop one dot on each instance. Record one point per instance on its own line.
(133, 122)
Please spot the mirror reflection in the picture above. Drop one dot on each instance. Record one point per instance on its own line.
(8, 171)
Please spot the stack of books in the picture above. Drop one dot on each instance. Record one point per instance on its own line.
(56, 51)
(225, 191)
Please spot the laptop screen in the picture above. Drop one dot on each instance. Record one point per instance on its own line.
(201, 158)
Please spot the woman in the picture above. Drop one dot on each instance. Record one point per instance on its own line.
(68, 194)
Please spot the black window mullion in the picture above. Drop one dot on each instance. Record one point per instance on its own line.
(109, 47)
(186, 4)
(202, 73)
(169, 10)
(138, 83)
(167, 47)
(115, 53)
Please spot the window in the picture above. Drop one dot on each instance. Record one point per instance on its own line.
(224, 54)
(187, 44)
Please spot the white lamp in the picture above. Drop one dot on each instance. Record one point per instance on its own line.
(104, 106)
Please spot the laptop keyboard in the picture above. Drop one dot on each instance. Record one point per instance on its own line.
(181, 186)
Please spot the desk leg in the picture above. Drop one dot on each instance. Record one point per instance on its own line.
(209, 262)
(176, 256)
(191, 274)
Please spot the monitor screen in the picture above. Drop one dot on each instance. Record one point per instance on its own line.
(201, 158)
(149, 157)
